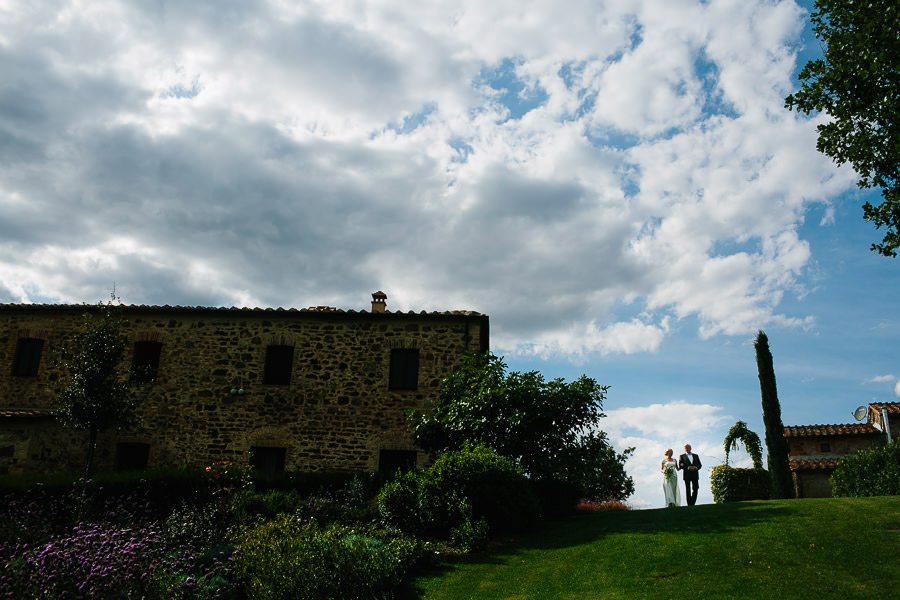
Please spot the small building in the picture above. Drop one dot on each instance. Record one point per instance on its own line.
(815, 450)
(317, 388)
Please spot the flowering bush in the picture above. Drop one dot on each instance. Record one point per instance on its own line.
(92, 561)
(111, 562)
(227, 476)
(604, 506)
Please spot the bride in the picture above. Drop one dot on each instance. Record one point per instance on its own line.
(669, 469)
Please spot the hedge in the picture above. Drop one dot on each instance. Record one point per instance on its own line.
(873, 472)
(734, 485)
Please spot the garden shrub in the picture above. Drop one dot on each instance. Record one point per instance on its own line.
(456, 493)
(873, 472)
(399, 504)
(471, 534)
(492, 484)
(734, 485)
(556, 497)
(285, 559)
(184, 574)
(197, 526)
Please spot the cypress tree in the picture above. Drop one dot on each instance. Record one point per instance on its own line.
(779, 466)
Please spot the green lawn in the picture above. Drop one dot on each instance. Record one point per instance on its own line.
(813, 548)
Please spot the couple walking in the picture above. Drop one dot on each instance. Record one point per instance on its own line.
(689, 465)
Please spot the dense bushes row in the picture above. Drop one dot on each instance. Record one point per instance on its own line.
(219, 535)
(108, 538)
(730, 484)
(873, 472)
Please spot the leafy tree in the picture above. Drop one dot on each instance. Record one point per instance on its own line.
(740, 433)
(549, 427)
(97, 394)
(857, 83)
(779, 466)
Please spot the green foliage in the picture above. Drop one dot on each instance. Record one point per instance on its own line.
(471, 535)
(740, 433)
(308, 483)
(96, 395)
(777, 457)
(873, 472)
(451, 499)
(285, 559)
(734, 485)
(857, 84)
(551, 428)
(400, 504)
(556, 497)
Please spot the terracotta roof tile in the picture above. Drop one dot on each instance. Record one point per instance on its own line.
(890, 407)
(830, 430)
(24, 413)
(167, 307)
(814, 464)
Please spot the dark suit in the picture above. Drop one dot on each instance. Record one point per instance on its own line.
(691, 478)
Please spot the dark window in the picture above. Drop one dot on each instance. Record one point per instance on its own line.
(132, 456)
(390, 461)
(145, 361)
(279, 360)
(826, 448)
(28, 357)
(7, 450)
(267, 459)
(404, 369)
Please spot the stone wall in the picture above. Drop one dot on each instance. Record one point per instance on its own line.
(337, 412)
(814, 484)
(838, 446)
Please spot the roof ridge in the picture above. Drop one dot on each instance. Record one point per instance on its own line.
(311, 309)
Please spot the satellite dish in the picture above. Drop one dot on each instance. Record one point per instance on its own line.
(860, 413)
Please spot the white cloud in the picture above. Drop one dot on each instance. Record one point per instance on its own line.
(586, 174)
(882, 379)
(897, 389)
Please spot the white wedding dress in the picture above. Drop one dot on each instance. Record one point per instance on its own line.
(670, 487)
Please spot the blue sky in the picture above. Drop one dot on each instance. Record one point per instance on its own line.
(617, 184)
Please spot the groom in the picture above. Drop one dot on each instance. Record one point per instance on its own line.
(690, 467)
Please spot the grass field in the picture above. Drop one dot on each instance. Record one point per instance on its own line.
(812, 548)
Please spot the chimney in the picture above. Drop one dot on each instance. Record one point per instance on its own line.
(379, 302)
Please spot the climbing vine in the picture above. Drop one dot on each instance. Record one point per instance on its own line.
(740, 433)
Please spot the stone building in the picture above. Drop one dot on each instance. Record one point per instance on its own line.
(298, 389)
(815, 450)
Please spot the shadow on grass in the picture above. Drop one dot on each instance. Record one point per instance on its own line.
(582, 529)
(704, 519)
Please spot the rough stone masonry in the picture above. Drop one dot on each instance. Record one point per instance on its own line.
(306, 389)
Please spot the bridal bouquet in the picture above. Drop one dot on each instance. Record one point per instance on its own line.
(669, 472)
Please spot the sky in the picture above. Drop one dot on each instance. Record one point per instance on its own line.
(615, 183)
